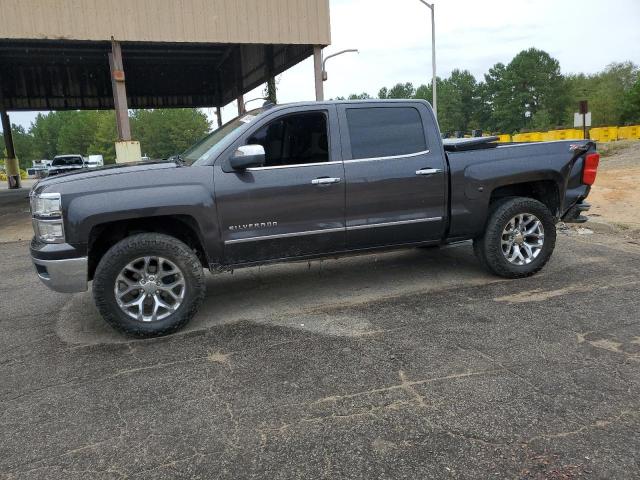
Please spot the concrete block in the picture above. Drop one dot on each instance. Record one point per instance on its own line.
(128, 152)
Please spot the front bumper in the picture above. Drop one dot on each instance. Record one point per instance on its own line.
(68, 275)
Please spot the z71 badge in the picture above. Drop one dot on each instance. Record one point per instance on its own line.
(250, 226)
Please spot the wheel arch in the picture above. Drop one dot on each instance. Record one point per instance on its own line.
(105, 235)
(545, 191)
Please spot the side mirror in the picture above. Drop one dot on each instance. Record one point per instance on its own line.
(248, 156)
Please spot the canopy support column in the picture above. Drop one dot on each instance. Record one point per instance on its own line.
(126, 149)
(11, 162)
(317, 70)
(119, 91)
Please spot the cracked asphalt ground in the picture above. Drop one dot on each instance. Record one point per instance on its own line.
(412, 364)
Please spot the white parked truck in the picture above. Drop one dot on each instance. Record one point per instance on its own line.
(39, 168)
(93, 161)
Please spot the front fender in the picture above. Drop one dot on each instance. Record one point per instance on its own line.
(186, 191)
(86, 211)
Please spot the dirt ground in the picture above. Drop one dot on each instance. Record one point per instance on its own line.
(616, 193)
(15, 218)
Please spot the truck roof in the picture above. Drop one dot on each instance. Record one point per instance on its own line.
(358, 102)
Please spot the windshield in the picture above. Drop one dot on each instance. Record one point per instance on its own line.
(67, 161)
(203, 149)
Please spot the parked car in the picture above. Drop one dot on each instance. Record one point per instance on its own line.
(67, 164)
(94, 161)
(39, 168)
(295, 182)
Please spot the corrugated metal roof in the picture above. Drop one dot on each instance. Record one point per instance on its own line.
(206, 21)
(73, 74)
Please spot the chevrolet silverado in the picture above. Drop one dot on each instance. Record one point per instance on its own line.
(293, 182)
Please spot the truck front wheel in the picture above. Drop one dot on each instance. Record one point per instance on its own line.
(148, 284)
(519, 238)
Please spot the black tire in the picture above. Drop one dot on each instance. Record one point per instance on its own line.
(141, 245)
(488, 247)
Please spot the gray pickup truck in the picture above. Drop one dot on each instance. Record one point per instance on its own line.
(296, 182)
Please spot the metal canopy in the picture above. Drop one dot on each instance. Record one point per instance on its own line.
(72, 74)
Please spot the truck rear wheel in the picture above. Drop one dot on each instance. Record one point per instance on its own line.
(148, 284)
(519, 238)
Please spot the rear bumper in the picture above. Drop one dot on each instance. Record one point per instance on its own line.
(66, 276)
(574, 214)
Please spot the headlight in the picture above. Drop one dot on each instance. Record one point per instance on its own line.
(48, 224)
(49, 231)
(46, 205)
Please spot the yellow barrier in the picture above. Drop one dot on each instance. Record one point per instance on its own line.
(604, 134)
(565, 134)
(631, 132)
(528, 137)
(599, 134)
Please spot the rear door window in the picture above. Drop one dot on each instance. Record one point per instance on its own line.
(385, 131)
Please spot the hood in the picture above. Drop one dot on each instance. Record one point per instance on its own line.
(121, 169)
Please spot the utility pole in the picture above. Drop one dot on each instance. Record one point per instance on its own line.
(433, 55)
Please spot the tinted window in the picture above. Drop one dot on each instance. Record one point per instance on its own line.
(294, 140)
(204, 149)
(385, 131)
(67, 161)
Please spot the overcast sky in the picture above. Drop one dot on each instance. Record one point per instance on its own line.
(394, 39)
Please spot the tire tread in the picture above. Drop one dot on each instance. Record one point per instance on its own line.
(146, 242)
(490, 254)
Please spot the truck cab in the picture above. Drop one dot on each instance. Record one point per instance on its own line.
(67, 164)
(386, 176)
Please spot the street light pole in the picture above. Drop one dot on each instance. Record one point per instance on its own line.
(433, 55)
(324, 62)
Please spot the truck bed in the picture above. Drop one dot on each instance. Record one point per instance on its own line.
(476, 172)
(464, 144)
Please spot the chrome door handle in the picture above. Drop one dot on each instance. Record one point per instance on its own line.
(428, 171)
(324, 181)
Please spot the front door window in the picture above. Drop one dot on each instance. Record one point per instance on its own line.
(294, 140)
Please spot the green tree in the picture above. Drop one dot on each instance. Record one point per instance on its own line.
(23, 145)
(425, 92)
(399, 90)
(607, 93)
(458, 101)
(77, 131)
(359, 96)
(465, 87)
(46, 130)
(631, 109)
(166, 132)
(104, 137)
(530, 83)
